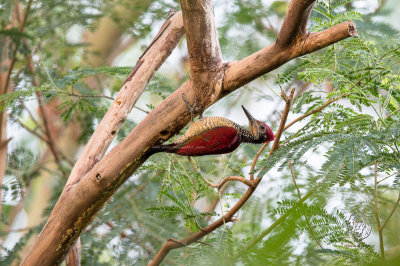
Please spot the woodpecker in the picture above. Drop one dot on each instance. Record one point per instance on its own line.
(216, 135)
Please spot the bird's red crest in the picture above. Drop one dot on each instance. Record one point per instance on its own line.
(268, 132)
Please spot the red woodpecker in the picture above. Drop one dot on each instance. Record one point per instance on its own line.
(217, 135)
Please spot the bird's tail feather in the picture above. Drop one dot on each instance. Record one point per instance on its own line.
(161, 148)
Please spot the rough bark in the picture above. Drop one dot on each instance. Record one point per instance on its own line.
(133, 87)
(206, 66)
(241, 72)
(49, 253)
(85, 195)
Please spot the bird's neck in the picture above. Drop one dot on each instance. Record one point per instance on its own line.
(246, 136)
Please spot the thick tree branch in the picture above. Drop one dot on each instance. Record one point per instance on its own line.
(71, 223)
(319, 40)
(206, 66)
(295, 23)
(273, 56)
(203, 46)
(170, 34)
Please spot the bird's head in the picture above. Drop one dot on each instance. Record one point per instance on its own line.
(260, 131)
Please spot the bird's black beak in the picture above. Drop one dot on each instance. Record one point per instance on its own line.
(252, 123)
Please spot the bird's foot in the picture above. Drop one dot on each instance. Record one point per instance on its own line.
(192, 108)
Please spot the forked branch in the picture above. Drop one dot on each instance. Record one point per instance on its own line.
(169, 36)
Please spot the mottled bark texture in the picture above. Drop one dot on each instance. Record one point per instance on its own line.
(210, 79)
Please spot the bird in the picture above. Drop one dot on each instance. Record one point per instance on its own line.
(216, 135)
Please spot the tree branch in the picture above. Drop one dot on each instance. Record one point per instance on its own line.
(391, 213)
(231, 178)
(204, 51)
(328, 102)
(377, 219)
(274, 224)
(288, 100)
(295, 23)
(319, 40)
(8, 48)
(203, 46)
(299, 195)
(50, 241)
(170, 34)
(50, 139)
(273, 56)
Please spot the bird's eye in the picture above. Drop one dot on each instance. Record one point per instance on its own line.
(262, 127)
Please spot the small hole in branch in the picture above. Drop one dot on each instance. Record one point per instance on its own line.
(98, 177)
(164, 133)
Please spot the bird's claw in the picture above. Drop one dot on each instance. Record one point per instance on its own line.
(192, 108)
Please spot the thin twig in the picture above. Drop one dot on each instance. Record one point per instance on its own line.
(232, 178)
(226, 179)
(89, 95)
(253, 165)
(144, 184)
(15, 50)
(378, 221)
(328, 102)
(33, 132)
(50, 142)
(275, 224)
(391, 213)
(305, 217)
(101, 96)
(383, 179)
(294, 179)
(288, 100)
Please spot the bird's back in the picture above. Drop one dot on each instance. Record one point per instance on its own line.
(204, 124)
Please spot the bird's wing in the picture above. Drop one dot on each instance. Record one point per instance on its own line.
(212, 141)
(200, 126)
